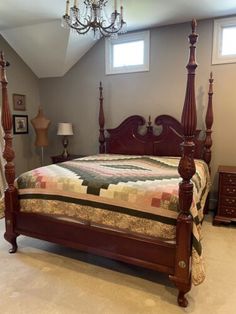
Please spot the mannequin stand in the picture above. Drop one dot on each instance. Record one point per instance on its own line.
(41, 125)
(42, 156)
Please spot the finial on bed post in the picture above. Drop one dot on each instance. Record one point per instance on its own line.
(209, 123)
(149, 125)
(182, 274)
(101, 122)
(11, 195)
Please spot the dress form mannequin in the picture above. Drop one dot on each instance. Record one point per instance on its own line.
(41, 125)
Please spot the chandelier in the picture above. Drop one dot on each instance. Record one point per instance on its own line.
(93, 16)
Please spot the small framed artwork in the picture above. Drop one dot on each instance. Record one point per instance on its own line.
(20, 124)
(19, 102)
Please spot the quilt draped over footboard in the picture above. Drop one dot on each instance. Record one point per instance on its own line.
(137, 194)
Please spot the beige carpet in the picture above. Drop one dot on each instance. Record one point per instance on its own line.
(44, 278)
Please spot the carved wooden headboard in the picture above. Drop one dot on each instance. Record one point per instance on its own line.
(135, 136)
(131, 138)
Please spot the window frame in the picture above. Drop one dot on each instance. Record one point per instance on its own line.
(127, 38)
(219, 25)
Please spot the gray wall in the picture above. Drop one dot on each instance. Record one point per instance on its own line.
(22, 81)
(74, 98)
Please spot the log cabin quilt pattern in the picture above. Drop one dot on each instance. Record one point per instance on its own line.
(137, 194)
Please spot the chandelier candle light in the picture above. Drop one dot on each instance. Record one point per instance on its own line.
(94, 18)
(65, 130)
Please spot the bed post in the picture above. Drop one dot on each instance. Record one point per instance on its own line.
(208, 140)
(209, 122)
(101, 122)
(182, 274)
(11, 194)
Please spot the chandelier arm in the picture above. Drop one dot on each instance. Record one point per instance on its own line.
(99, 26)
(103, 30)
(106, 28)
(108, 31)
(84, 26)
(83, 33)
(79, 29)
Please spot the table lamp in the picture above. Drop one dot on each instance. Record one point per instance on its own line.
(65, 129)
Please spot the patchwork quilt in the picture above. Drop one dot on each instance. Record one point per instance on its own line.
(137, 194)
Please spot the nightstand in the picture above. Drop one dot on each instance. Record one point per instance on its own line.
(226, 211)
(60, 158)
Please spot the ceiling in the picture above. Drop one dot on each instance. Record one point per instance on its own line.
(33, 30)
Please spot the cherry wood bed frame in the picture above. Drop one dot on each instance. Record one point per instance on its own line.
(176, 139)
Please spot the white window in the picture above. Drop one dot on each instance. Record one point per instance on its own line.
(224, 41)
(128, 53)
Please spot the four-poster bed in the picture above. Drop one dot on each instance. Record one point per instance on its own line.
(132, 246)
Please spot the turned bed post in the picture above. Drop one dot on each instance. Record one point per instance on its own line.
(209, 123)
(101, 122)
(182, 275)
(11, 194)
(208, 140)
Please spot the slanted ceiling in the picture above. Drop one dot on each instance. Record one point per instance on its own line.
(32, 28)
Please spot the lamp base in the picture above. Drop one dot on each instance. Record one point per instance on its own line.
(65, 154)
(65, 143)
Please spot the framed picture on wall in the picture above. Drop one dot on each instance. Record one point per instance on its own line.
(20, 124)
(19, 102)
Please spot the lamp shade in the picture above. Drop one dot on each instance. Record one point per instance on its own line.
(65, 129)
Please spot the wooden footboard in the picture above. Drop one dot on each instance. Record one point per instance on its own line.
(173, 259)
(139, 250)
